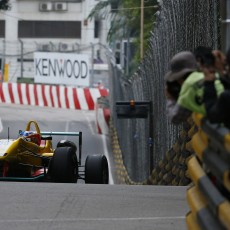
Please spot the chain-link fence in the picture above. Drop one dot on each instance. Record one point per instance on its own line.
(180, 25)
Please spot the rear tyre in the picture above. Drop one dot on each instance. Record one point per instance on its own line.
(96, 170)
(67, 143)
(63, 166)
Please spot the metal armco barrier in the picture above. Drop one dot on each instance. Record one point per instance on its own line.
(209, 197)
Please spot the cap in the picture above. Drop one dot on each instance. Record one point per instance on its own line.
(181, 64)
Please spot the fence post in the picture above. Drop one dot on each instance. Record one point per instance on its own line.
(151, 165)
(92, 61)
(225, 24)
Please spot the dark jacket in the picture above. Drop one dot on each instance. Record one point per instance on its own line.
(217, 108)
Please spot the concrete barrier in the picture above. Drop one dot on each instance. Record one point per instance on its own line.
(102, 111)
(50, 95)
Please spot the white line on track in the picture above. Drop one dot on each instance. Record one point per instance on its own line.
(67, 128)
(103, 137)
(1, 127)
(111, 180)
(93, 219)
(89, 123)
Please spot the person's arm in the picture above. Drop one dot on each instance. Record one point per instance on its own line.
(176, 113)
(210, 96)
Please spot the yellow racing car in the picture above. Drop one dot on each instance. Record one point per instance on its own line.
(31, 157)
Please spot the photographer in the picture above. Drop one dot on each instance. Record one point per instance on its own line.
(181, 66)
(217, 104)
(185, 84)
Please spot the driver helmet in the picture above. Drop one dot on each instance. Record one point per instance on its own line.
(32, 136)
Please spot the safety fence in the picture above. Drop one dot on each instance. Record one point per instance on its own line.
(180, 25)
(209, 197)
(171, 170)
(56, 96)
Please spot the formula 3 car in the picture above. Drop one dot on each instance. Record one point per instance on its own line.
(31, 157)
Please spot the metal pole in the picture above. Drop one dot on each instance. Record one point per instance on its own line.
(1, 67)
(215, 13)
(78, 47)
(151, 163)
(92, 61)
(3, 60)
(142, 30)
(4, 54)
(228, 25)
(225, 24)
(127, 55)
(21, 57)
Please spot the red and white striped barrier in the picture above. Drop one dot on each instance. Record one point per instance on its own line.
(50, 95)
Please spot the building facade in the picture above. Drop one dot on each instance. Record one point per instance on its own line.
(49, 26)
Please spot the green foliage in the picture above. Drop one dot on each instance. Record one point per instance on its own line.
(125, 21)
(134, 17)
(100, 10)
(4, 5)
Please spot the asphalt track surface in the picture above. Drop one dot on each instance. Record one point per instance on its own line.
(29, 206)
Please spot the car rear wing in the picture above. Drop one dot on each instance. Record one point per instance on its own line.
(75, 134)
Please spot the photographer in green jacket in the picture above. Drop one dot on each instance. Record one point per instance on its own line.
(185, 83)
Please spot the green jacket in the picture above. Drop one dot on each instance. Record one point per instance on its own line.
(192, 90)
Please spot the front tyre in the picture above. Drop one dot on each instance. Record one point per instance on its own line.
(96, 170)
(64, 166)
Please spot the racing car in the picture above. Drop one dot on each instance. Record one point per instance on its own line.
(31, 157)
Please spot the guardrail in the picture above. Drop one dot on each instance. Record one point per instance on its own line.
(209, 169)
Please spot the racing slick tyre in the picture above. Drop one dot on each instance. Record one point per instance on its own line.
(96, 170)
(67, 143)
(64, 166)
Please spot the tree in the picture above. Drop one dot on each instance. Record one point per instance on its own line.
(106, 9)
(4, 5)
(132, 11)
(125, 20)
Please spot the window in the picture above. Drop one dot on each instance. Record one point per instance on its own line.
(96, 29)
(2, 28)
(49, 29)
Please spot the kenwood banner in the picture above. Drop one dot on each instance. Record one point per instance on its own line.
(61, 68)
